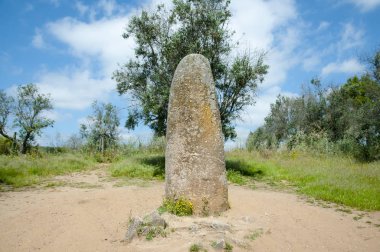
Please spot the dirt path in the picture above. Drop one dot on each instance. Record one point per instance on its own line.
(92, 215)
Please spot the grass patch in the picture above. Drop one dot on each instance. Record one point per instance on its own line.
(142, 166)
(255, 234)
(20, 171)
(197, 248)
(330, 178)
(228, 247)
(236, 177)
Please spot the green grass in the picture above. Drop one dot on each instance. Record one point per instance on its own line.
(143, 166)
(331, 178)
(20, 171)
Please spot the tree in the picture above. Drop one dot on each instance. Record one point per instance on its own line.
(102, 130)
(74, 142)
(27, 110)
(347, 117)
(362, 110)
(163, 38)
(6, 108)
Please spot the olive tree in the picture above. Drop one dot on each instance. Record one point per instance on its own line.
(163, 37)
(27, 111)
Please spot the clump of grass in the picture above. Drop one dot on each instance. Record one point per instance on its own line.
(28, 170)
(255, 234)
(179, 207)
(151, 232)
(197, 248)
(228, 247)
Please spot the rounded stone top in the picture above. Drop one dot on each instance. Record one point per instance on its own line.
(194, 58)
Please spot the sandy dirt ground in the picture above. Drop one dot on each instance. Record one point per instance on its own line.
(89, 213)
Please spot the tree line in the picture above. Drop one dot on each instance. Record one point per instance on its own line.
(343, 119)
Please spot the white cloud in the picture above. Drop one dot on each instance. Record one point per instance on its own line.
(82, 8)
(350, 66)
(74, 89)
(351, 37)
(100, 39)
(57, 115)
(255, 21)
(55, 3)
(323, 25)
(107, 6)
(273, 26)
(100, 9)
(38, 40)
(365, 5)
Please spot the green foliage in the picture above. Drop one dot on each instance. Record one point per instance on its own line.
(339, 120)
(101, 132)
(5, 146)
(163, 39)
(19, 171)
(6, 108)
(236, 177)
(180, 206)
(27, 110)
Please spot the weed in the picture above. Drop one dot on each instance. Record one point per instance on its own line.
(228, 247)
(180, 206)
(255, 234)
(197, 248)
(151, 232)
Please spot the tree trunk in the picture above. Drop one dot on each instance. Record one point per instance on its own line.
(24, 146)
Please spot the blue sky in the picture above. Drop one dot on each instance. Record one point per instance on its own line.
(70, 49)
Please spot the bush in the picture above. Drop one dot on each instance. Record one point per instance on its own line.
(5, 146)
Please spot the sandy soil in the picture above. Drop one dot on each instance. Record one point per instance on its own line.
(91, 214)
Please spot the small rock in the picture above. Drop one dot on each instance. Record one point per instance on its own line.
(219, 244)
(132, 228)
(247, 219)
(193, 229)
(155, 219)
(138, 226)
(220, 226)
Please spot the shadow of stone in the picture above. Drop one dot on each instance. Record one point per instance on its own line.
(158, 162)
(244, 168)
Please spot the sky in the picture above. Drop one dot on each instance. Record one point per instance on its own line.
(70, 49)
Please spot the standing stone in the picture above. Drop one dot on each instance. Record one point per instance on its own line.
(194, 159)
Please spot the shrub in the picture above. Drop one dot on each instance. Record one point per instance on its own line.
(180, 206)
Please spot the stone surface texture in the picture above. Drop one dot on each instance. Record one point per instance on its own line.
(194, 164)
